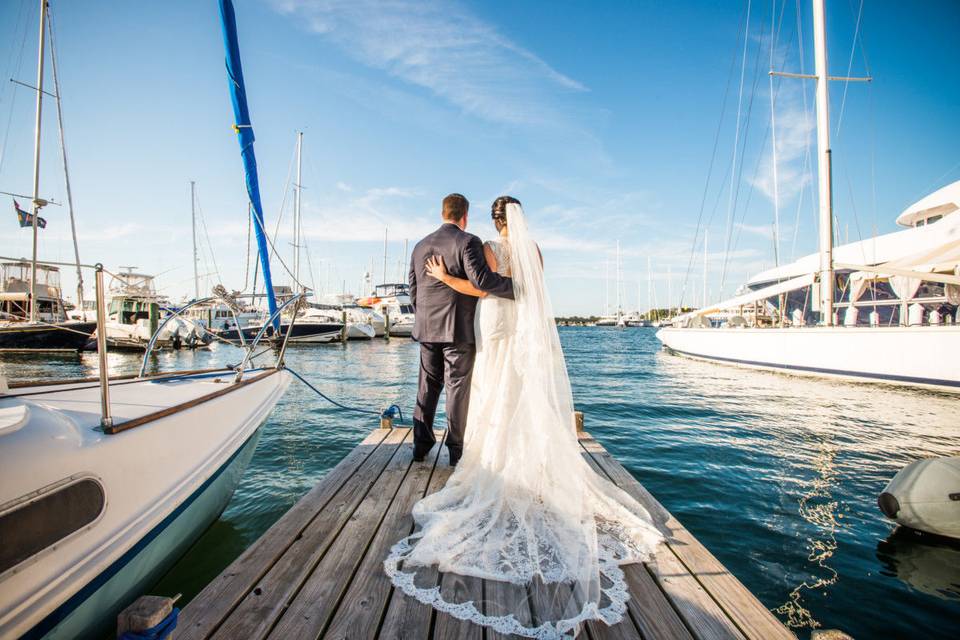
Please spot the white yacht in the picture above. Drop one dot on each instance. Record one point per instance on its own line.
(393, 302)
(135, 312)
(880, 310)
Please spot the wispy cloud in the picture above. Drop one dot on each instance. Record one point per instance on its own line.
(443, 48)
(361, 216)
(794, 132)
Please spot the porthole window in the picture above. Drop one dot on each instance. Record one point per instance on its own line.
(32, 527)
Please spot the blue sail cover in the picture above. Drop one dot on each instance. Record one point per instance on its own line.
(238, 95)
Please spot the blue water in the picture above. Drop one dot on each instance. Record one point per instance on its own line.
(776, 475)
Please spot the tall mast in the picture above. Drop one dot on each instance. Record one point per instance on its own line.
(704, 268)
(619, 304)
(773, 144)
(649, 287)
(296, 212)
(385, 230)
(63, 156)
(36, 162)
(193, 226)
(824, 164)
(669, 293)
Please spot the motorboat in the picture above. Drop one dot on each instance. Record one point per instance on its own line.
(50, 329)
(135, 312)
(392, 301)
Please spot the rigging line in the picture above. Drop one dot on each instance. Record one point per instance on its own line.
(283, 202)
(736, 137)
(713, 157)
(206, 235)
(8, 70)
(63, 155)
(756, 169)
(775, 34)
(739, 169)
(246, 271)
(16, 70)
(808, 162)
(846, 84)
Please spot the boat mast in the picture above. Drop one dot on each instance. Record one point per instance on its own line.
(296, 212)
(63, 156)
(649, 289)
(824, 164)
(36, 162)
(773, 144)
(385, 230)
(704, 268)
(669, 293)
(619, 284)
(193, 226)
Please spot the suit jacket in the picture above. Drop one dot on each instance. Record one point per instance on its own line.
(442, 314)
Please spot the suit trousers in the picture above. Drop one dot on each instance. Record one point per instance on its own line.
(443, 365)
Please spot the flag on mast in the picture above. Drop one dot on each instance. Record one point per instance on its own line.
(26, 218)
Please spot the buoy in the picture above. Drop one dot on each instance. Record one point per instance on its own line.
(925, 495)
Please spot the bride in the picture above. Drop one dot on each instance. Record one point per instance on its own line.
(523, 506)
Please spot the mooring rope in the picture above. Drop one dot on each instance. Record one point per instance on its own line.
(390, 412)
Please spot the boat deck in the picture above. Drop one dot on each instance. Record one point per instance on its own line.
(318, 572)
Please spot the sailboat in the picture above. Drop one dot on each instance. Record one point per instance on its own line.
(32, 311)
(908, 280)
(106, 482)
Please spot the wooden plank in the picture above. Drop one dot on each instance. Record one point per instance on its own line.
(309, 611)
(750, 616)
(503, 598)
(363, 604)
(652, 613)
(258, 611)
(457, 588)
(407, 618)
(208, 609)
(696, 608)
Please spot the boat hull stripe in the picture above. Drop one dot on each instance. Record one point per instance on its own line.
(825, 371)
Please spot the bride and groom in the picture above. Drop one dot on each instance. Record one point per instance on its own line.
(522, 507)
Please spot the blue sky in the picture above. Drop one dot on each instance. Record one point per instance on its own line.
(601, 117)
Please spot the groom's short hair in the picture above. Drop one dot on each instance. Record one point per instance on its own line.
(455, 206)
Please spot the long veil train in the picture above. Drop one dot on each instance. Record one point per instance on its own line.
(523, 507)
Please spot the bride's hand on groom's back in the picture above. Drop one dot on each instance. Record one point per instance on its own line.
(436, 268)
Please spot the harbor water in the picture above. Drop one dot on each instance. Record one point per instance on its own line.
(777, 475)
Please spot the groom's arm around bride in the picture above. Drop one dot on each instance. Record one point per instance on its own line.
(444, 323)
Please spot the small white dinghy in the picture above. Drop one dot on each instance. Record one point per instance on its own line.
(925, 495)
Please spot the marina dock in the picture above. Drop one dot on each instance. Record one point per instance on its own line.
(318, 572)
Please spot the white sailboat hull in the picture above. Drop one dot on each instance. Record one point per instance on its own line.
(164, 483)
(915, 356)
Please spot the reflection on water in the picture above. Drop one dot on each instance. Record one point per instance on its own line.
(930, 564)
(818, 508)
(778, 476)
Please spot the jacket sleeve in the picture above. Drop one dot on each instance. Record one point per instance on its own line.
(412, 281)
(480, 275)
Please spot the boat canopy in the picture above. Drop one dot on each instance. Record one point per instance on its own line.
(753, 296)
(878, 250)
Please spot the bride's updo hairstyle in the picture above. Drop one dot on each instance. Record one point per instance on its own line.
(499, 211)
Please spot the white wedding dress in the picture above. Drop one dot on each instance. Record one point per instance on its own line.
(523, 506)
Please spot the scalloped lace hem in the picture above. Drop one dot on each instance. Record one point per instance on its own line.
(618, 593)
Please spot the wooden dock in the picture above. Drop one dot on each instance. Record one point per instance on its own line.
(318, 572)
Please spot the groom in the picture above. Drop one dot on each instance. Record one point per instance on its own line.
(444, 325)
